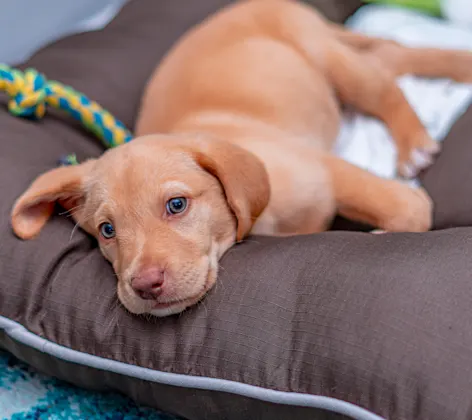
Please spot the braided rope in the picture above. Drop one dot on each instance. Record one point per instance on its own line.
(30, 93)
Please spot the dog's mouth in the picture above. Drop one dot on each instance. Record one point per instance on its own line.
(179, 305)
(187, 301)
(164, 305)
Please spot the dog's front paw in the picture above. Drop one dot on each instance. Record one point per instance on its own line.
(413, 211)
(416, 154)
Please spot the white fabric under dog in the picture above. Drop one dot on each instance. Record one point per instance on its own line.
(365, 141)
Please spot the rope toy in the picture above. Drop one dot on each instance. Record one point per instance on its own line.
(30, 93)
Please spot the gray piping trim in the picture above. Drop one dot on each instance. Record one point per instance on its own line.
(19, 333)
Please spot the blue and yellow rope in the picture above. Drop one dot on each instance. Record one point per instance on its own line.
(30, 93)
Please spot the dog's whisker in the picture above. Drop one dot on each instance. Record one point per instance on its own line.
(71, 210)
(73, 231)
(220, 282)
(81, 222)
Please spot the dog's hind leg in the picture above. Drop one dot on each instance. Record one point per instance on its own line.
(383, 203)
(400, 59)
(366, 83)
(359, 78)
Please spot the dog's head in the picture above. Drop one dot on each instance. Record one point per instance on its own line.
(163, 209)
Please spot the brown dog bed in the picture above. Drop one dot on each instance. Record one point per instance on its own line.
(330, 326)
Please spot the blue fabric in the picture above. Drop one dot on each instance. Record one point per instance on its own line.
(27, 395)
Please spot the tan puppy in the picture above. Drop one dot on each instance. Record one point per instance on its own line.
(247, 107)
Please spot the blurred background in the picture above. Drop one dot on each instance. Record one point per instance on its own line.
(26, 25)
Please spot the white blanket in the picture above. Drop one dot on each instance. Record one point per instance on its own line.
(365, 141)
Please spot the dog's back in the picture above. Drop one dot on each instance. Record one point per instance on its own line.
(245, 64)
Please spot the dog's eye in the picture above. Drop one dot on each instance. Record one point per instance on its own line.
(176, 205)
(107, 230)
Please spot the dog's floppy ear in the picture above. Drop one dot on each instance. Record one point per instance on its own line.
(33, 209)
(243, 177)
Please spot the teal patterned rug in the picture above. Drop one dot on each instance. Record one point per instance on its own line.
(28, 395)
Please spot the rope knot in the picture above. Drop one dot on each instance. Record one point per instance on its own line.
(28, 93)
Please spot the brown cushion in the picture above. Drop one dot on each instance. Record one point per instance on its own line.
(332, 326)
(336, 10)
(449, 180)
